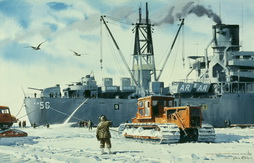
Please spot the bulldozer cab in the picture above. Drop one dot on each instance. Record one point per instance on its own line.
(153, 106)
(5, 116)
(4, 110)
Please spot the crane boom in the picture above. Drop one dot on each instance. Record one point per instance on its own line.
(121, 54)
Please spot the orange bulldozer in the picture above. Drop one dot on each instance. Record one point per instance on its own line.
(158, 119)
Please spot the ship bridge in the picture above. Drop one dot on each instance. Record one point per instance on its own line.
(242, 65)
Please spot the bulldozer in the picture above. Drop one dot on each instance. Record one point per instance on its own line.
(158, 119)
(6, 121)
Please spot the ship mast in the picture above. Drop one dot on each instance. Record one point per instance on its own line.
(143, 55)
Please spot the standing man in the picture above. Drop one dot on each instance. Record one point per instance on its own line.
(90, 125)
(20, 124)
(103, 134)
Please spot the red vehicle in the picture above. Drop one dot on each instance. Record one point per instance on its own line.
(6, 119)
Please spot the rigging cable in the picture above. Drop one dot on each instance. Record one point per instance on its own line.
(20, 109)
(242, 27)
(119, 20)
(115, 57)
(174, 62)
(101, 46)
(118, 25)
(50, 108)
(22, 103)
(183, 48)
(27, 113)
(111, 46)
(66, 114)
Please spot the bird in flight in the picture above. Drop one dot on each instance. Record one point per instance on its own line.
(77, 54)
(36, 47)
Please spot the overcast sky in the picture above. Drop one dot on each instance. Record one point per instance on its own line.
(75, 25)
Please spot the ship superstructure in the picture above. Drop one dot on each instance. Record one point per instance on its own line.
(225, 79)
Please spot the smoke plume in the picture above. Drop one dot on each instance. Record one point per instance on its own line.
(201, 11)
(182, 10)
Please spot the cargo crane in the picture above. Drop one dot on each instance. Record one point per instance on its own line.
(143, 71)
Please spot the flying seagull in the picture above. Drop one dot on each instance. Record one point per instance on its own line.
(36, 47)
(77, 54)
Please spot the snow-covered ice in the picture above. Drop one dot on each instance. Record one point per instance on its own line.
(62, 143)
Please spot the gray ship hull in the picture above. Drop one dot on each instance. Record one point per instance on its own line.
(237, 108)
(59, 110)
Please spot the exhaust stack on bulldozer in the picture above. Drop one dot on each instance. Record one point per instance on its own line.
(159, 119)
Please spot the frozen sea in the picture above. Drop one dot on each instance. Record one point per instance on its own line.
(62, 143)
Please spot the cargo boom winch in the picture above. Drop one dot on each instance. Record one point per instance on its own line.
(158, 119)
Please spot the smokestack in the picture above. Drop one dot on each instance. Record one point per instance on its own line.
(226, 36)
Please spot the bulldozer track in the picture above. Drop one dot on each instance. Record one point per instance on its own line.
(163, 133)
(206, 133)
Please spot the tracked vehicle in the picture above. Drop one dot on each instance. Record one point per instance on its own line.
(158, 119)
(6, 119)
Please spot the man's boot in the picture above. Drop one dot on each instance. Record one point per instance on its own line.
(109, 151)
(102, 151)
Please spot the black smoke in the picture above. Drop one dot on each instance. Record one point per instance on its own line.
(200, 11)
(177, 12)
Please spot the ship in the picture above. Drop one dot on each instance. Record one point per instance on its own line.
(224, 85)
